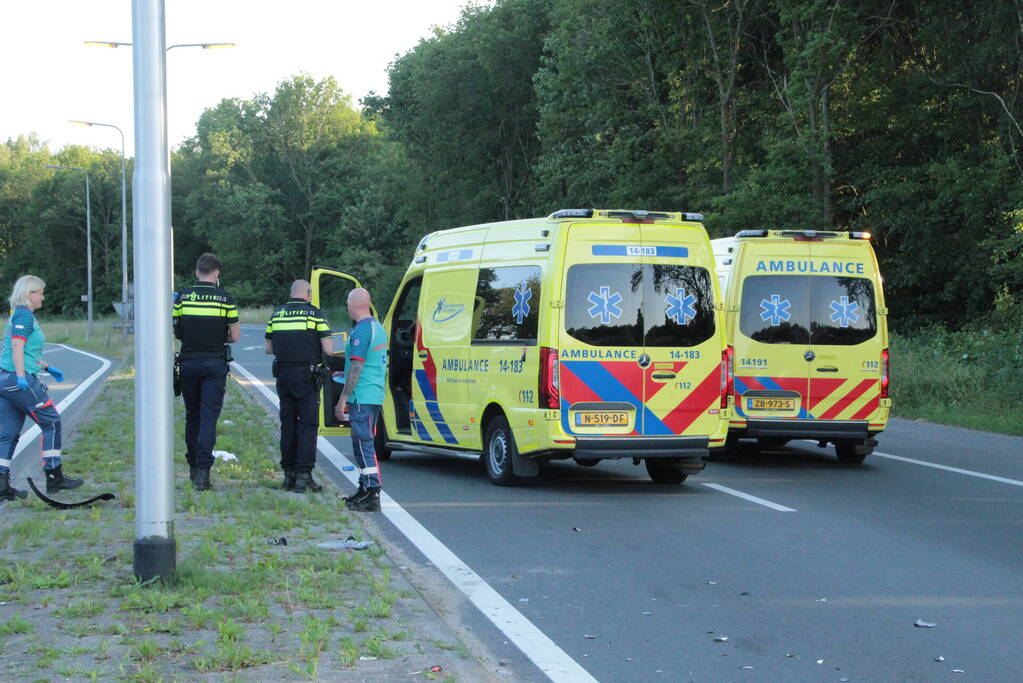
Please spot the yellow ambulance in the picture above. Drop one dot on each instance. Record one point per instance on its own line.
(588, 334)
(808, 325)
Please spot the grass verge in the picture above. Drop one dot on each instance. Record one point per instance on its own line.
(239, 607)
(969, 378)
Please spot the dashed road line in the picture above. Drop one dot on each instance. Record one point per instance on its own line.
(750, 498)
(533, 643)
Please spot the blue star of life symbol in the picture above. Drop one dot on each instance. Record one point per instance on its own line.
(680, 306)
(521, 308)
(776, 310)
(605, 305)
(844, 312)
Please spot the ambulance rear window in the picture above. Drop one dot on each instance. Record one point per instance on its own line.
(808, 309)
(631, 304)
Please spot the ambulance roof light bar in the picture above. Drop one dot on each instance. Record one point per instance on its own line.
(573, 213)
(751, 233)
(859, 235)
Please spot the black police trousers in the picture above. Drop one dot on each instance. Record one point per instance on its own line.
(202, 386)
(300, 404)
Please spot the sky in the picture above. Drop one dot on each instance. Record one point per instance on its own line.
(49, 76)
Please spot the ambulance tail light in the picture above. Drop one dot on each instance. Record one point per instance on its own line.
(885, 377)
(550, 393)
(727, 375)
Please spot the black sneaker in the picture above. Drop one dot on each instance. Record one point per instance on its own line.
(369, 501)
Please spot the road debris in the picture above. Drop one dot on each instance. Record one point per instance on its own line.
(277, 541)
(712, 583)
(348, 468)
(939, 658)
(575, 528)
(920, 623)
(822, 599)
(228, 422)
(820, 661)
(364, 658)
(721, 639)
(958, 671)
(587, 636)
(225, 456)
(523, 600)
(348, 544)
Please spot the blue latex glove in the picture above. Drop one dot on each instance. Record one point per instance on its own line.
(22, 383)
(55, 373)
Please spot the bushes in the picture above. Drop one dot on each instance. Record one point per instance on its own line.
(972, 377)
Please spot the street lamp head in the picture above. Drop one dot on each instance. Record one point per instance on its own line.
(217, 46)
(80, 123)
(104, 43)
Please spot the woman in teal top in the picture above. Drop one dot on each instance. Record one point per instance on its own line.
(21, 392)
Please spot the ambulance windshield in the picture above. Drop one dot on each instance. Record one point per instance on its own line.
(808, 309)
(632, 304)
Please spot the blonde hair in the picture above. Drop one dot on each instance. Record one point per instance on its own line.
(22, 288)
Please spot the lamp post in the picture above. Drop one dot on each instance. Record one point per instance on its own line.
(124, 224)
(205, 46)
(88, 241)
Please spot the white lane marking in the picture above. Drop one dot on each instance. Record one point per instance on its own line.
(752, 499)
(540, 649)
(957, 470)
(34, 431)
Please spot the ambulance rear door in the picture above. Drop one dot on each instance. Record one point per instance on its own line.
(601, 341)
(682, 345)
(845, 371)
(772, 342)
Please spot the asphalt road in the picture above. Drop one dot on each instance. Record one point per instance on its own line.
(818, 574)
(83, 371)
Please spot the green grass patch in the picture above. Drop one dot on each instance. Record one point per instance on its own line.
(237, 607)
(969, 378)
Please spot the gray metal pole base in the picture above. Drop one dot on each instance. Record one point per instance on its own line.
(155, 558)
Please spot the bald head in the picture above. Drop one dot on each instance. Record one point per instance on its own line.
(300, 289)
(359, 304)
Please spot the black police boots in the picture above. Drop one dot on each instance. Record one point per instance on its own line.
(368, 502)
(202, 479)
(8, 492)
(56, 481)
(192, 472)
(304, 480)
(289, 480)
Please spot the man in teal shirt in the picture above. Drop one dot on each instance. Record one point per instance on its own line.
(365, 367)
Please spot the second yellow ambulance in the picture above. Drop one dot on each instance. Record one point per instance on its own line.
(808, 325)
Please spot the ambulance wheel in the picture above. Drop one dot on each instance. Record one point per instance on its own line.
(665, 472)
(852, 453)
(380, 440)
(500, 450)
(586, 462)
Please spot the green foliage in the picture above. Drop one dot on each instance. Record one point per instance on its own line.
(760, 113)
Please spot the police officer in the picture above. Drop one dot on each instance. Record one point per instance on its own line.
(298, 336)
(205, 320)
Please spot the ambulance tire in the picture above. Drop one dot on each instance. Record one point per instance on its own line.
(665, 472)
(380, 439)
(852, 453)
(499, 451)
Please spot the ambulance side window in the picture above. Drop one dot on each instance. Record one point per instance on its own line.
(507, 303)
(604, 302)
(679, 305)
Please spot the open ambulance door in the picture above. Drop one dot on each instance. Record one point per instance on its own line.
(330, 294)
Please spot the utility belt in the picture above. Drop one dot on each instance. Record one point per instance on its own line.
(317, 372)
(221, 354)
